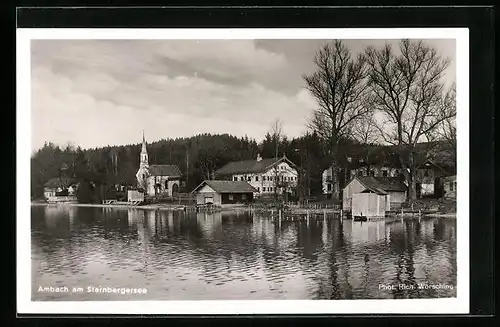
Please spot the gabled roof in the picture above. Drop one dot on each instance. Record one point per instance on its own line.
(374, 190)
(251, 166)
(430, 163)
(164, 170)
(62, 182)
(228, 186)
(385, 184)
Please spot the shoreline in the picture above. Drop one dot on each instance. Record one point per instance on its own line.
(162, 206)
(176, 207)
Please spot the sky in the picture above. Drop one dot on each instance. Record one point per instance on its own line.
(93, 93)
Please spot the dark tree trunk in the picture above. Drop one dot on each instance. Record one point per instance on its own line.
(412, 187)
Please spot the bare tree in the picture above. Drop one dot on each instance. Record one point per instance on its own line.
(365, 130)
(339, 86)
(406, 87)
(277, 132)
(207, 161)
(449, 127)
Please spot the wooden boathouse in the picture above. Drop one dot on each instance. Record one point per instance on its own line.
(217, 192)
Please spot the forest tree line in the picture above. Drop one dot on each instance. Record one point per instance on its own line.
(198, 157)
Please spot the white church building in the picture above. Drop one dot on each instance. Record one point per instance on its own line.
(157, 179)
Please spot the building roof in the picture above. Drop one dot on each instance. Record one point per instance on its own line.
(164, 170)
(382, 183)
(62, 182)
(374, 190)
(228, 186)
(250, 166)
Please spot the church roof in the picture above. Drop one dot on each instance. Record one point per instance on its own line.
(165, 170)
(228, 186)
(143, 150)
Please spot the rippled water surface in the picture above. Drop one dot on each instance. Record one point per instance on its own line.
(237, 256)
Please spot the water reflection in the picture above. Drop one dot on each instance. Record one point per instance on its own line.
(238, 255)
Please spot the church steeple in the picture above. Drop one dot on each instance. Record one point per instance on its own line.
(144, 152)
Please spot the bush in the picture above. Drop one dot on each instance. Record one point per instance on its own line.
(85, 193)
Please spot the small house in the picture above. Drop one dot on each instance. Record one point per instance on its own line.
(429, 179)
(450, 187)
(61, 189)
(219, 192)
(135, 196)
(392, 188)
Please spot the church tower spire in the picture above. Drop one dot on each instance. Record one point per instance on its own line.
(144, 152)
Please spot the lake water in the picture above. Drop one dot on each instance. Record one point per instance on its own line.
(236, 256)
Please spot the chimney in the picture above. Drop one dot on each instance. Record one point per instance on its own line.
(259, 158)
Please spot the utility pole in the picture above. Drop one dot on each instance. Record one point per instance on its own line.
(300, 182)
(187, 167)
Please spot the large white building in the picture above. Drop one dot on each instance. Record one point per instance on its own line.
(157, 179)
(264, 174)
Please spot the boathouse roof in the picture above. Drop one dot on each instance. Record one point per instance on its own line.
(164, 170)
(251, 166)
(384, 184)
(227, 186)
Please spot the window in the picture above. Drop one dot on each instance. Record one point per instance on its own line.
(256, 178)
(426, 173)
(166, 185)
(451, 186)
(243, 196)
(372, 173)
(270, 189)
(264, 189)
(249, 179)
(264, 178)
(360, 173)
(384, 173)
(258, 189)
(329, 187)
(143, 176)
(231, 197)
(242, 178)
